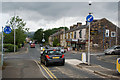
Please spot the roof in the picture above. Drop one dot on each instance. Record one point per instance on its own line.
(57, 33)
(77, 28)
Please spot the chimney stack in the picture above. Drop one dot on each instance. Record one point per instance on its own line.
(74, 26)
(71, 27)
(79, 24)
(86, 23)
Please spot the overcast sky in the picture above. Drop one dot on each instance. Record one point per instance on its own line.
(39, 14)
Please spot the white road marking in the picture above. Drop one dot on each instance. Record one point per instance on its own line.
(73, 61)
(97, 54)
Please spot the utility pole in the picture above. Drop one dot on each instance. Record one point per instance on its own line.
(64, 33)
(116, 35)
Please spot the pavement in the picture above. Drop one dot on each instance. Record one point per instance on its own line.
(95, 68)
(17, 68)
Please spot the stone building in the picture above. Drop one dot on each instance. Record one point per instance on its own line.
(103, 36)
(55, 35)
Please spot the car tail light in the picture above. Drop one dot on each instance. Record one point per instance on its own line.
(47, 57)
(62, 56)
(54, 50)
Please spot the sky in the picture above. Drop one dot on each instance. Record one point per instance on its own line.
(49, 14)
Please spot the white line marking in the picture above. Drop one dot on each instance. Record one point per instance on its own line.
(73, 61)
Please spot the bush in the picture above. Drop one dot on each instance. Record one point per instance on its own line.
(10, 47)
(19, 45)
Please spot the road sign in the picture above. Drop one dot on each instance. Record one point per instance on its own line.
(118, 65)
(7, 29)
(89, 18)
(119, 61)
(43, 40)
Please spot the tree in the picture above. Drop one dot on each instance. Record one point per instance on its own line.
(20, 31)
(38, 35)
(56, 42)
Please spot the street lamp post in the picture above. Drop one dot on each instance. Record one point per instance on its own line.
(43, 40)
(89, 36)
(14, 26)
(2, 49)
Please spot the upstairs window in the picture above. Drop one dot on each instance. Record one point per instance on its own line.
(74, 35)
(107, 33)
(70, 35)
(113, 34)
(80, 34)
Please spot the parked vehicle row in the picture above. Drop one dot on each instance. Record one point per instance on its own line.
(115, 50)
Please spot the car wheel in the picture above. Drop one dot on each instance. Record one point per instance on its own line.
(113, 53)
(41, 61)
(105, 53)
(46, 64)
(63, 63)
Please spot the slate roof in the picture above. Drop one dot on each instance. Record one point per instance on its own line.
(77, 28)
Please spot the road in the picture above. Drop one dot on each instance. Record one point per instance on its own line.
(95, 59)
(27, 65)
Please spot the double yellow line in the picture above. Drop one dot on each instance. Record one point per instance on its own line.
(52, 76)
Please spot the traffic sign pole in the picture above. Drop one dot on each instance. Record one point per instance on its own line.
(14, 39)
(89, 46)
(2, 49)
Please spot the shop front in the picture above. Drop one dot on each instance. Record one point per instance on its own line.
(74, 44)
(81, 45)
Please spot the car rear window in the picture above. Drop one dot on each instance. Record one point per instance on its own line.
(54, 53)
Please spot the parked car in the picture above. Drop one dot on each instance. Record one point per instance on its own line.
(52, 56)
(42, 49)
(41, 45)
(113, 50)
(32, 45)
(59, 49)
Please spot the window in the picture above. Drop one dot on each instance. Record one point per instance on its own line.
(70, 35)
(107, 33)
(74, 35)
(113, 34)
(67, 35)
(80, 34)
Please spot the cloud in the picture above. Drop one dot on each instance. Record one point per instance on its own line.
(50, 14)
(59, 0)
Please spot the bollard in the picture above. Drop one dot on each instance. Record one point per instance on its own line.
(84, 57)
(118, 65)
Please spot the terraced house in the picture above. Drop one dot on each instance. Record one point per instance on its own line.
(103, 35)
(56, 35)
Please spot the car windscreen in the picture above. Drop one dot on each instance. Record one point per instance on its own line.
(54, 53)
(118, 47)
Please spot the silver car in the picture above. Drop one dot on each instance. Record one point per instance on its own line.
(113, 50)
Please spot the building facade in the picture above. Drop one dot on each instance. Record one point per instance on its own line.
(103, 36)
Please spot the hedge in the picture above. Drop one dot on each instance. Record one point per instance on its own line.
(10, 47)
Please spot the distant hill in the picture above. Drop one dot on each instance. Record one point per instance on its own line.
(31, 34)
